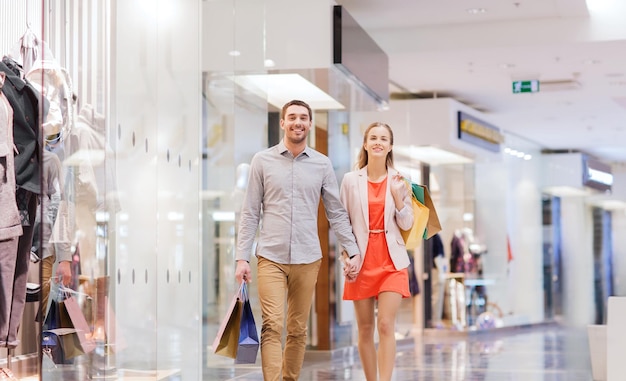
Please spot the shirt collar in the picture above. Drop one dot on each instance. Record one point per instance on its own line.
(282, 148)
(11, 77)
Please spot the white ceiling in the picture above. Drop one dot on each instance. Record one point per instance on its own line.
(438, 47)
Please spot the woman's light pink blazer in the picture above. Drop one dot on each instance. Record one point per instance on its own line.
(353, 195)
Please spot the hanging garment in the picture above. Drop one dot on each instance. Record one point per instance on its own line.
(24, 100)
(55, 83)
(10, 225)
(436, 249)
(457, 250)
(28, 49)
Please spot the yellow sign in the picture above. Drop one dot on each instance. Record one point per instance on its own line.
(482, 132)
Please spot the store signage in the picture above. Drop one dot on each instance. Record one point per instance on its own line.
(355, 53)
(479, 133)
(525, 86)
(596, 174)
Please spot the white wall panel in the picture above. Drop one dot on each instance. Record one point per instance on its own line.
(156, 95)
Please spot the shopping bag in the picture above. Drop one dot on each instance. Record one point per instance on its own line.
(66, 333)
(433, 226)
(79, 322)
(414, 236)
(61, 344)
(248, 335)
(59, 340)
(227, 338)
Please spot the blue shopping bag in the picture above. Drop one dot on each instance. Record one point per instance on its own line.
(248, 335)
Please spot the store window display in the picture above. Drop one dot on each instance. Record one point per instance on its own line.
(53, 247)
(21, 183)
(44, 187)
(466, 292)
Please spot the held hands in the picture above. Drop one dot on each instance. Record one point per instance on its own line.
(351, 266)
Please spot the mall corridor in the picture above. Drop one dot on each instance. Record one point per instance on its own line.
(541, 353)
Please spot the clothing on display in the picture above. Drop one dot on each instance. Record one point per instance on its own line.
(438, 276)
(29, 49)
(456, 253)
(34, 95)
(9, 218)
(454, 309)
(24, 101)
(56, 85)
(465, 262)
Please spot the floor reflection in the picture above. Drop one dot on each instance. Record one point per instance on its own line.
(542, 353)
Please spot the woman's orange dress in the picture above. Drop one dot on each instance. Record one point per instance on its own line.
(378, 274)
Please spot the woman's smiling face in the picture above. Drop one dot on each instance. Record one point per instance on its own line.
(378, 142)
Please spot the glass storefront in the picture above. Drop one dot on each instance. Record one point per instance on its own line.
(153, 139)
(122, 106)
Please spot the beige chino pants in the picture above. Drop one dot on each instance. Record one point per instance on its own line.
(284, 287)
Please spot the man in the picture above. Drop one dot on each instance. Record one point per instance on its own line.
(284, 187)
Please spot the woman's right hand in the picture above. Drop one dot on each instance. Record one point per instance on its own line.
(399, 190)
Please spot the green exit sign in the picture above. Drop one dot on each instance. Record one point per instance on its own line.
(525, 86)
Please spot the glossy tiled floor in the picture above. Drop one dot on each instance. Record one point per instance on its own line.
(540, 353)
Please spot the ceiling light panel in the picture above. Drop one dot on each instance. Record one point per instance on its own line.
(279, 89)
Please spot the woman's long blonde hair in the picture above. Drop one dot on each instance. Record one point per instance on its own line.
(362, 159)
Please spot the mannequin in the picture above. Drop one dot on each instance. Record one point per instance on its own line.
(457, 249)
(23, 98)
(10, 224)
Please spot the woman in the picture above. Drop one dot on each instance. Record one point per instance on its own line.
(379, 205)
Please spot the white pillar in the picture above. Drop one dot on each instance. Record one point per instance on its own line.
(618, 223)
(577, 261)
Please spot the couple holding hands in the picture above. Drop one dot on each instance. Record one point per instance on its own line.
(285, 184)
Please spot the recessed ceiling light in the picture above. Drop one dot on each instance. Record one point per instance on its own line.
(279, 89)
(475, 11)
(234, 53)
(431, 155)
(600, 5)
(507, 65)
(269, 63)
